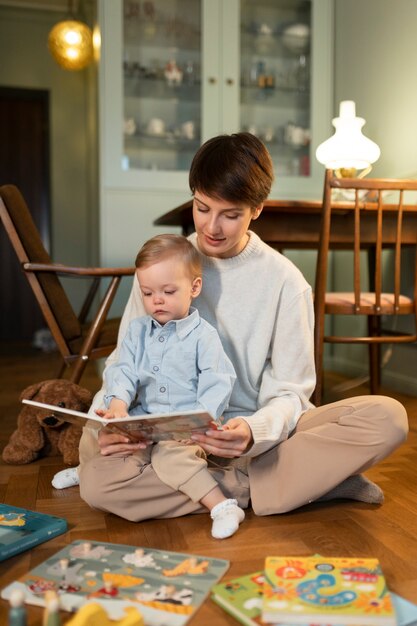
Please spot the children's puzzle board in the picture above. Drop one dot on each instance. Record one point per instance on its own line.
(166, 587)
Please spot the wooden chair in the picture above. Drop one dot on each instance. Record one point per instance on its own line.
(77, 341)
(376, 214)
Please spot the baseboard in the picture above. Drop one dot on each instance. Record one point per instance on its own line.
(391, 379)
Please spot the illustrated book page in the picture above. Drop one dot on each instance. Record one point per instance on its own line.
(21, 529)
(326, 590)
(152, 427)
(166, 587)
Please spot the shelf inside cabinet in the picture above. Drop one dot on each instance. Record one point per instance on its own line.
(165, 141)
(175, 33)
(271, 45)
(142, 87)
(275, 96)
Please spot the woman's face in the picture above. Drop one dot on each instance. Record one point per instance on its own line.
(221, 226)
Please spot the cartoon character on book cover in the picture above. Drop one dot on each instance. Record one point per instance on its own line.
(301, 590)
(12, 519)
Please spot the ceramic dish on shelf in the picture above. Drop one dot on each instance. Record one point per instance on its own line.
(155, 127)
(296, 38)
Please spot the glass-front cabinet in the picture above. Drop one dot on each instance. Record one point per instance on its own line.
(161, 83)
(176, 72)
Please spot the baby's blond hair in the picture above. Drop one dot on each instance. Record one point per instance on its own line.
(165, 246)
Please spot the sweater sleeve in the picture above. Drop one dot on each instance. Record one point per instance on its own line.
(216, 375)
(289, 376)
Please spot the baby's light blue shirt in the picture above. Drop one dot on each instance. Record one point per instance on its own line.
(179, 366)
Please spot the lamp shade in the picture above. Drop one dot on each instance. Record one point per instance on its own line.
(71, 44)
(348, 147)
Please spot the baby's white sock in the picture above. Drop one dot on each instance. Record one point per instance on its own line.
(226, 516)
(66, 478)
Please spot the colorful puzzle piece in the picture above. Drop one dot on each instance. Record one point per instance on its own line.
(93, 614)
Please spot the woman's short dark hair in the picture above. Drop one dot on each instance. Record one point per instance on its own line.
(236, 168)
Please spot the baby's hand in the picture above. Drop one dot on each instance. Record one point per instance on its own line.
(109, 415)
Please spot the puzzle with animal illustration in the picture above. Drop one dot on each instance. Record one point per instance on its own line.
(166, 587)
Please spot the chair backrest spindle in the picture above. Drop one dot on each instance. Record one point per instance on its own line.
(357, 253)
(378, 254)
(397, 253)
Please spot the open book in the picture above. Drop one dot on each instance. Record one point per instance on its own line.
(152, 427)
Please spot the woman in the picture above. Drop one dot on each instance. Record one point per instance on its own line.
(279, 451)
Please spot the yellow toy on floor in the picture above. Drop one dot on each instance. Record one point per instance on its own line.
(93, 614)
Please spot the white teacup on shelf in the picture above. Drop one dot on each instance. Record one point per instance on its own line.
(155, 126)
(188, 130)
(296, 135)
(129, 126)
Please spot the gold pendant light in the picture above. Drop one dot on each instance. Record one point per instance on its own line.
(71, 42)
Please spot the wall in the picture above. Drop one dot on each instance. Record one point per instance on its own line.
(26, 63)
(375, 65)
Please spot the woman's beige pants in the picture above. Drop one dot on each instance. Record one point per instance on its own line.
(329, 444)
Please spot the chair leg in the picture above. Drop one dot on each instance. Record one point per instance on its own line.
(316, 397)
(61, 370)
(374, 367)
(77, 370)
(374, 329)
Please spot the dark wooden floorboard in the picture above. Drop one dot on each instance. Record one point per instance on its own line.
(342, 528)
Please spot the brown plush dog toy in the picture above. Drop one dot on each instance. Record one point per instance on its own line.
(39, 433)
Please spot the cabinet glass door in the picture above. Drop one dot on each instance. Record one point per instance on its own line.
(275, 80)
(161, 83)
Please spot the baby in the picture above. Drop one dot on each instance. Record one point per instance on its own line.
(172, 360)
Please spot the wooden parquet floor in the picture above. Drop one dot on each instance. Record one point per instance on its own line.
(338, 528)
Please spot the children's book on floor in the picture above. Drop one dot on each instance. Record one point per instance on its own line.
(326, 590)
(241, 597)
(21, 529)
(166, 587)
(152, 427)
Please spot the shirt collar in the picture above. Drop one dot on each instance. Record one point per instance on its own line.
(182, 327)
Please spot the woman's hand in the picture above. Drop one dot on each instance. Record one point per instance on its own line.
(232, 441)
(110, 443)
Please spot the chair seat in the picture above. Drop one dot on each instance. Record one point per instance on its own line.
(343, 303)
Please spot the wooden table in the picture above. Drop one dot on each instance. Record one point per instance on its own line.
(295, 224)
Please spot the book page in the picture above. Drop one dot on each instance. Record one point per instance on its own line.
(149, 427)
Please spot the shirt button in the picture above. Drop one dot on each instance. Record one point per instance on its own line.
(155, 368)
(162, 389)
(161, 339)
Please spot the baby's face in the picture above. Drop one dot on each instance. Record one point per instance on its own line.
(167, 289)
